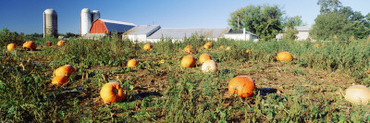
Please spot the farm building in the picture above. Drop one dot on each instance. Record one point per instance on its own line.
(241, 35)
(155, 33)
(141, 32)
(110, 26)
(303, 33)
(92, 26)
(182, 33)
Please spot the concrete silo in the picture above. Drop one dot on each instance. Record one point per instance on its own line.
(50, 23)
(95, 15)
(85, 21)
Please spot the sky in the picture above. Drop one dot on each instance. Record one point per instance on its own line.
(26, 15)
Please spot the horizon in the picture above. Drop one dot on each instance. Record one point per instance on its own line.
(26, 16)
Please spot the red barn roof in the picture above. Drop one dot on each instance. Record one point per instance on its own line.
(109, 26)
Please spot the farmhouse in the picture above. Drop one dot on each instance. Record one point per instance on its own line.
(303, 33)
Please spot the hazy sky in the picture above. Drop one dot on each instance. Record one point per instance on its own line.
(26, 15)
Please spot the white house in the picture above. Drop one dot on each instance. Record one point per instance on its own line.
(241, 35)
(303, 33)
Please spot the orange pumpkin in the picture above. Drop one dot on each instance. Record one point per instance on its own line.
(29, 45)
(148, 47)
(61, 43)
(132, 63)
(209, 43)
(11, 46)
(248, 51)
(204, 57)
(206, 46)
(112, 92)
(65, 70)
(189, 49)
(284, 56)
(188, 61)
(59, 80)
(48, 43)
(242, 86)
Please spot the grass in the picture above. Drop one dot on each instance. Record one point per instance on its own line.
(308, 89)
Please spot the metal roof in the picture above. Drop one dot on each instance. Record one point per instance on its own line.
(181, 33)
(117, 26)
(239, 32)
(143, 30)
(303, 28)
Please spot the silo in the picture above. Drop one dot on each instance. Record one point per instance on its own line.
(50, 23)
(85, 21)
(95, 15)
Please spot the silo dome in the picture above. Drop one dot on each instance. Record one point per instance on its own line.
(50, 23)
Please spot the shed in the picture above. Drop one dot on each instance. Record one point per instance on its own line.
(110, 26)
(141, 32)
(181, 33)
(241, 35)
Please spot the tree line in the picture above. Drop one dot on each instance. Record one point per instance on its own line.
(335, 22)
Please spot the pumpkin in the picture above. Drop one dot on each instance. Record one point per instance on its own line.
(317, 46)
(59, 80)
(206, 46)
(66, 70)
(148, 47)
(284, 56)
(29, 45)
(204, 57)
(48, 43)
(112, 92)
(189, 49)
(132, 63)
(358, 94)
(209, 66)
(228, 48)
(162, 61)
(61, 43)
(209, 43)
(11, 46)
(188, 61)
(248, 51)
(242, 86)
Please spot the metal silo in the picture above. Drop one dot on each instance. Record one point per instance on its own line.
(95, 15)
(85, 21)
(50, 23)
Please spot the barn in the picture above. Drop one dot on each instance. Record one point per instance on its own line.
(110, 26)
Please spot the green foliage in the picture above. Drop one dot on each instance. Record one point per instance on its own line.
(165, 92)
(290, 33)
(327, 6)
(291, 22)
(336, 22)
(332, 26)
(264, 21)
(6, 37)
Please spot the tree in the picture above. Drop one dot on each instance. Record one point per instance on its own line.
(327, 6)
(336, 20)
(265, 21)
(290, 32)
(331, 25)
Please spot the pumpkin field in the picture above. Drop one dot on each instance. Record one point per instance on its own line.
(165, 81)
